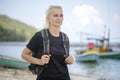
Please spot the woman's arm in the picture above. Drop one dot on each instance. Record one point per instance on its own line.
(26, 54)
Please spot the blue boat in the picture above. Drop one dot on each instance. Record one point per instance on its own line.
(87, 57)
(6, 61)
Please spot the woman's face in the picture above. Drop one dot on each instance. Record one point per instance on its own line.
(55, 18)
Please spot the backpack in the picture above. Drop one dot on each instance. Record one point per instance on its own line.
(37, 69)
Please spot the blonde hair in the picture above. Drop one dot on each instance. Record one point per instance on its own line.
(48, 12)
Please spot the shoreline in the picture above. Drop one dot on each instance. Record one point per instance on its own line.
(24, 74)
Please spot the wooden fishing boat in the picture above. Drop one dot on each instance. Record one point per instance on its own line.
(87, 57)
(12, 62)
(103, 47)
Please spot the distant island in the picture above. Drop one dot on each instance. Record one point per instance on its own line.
(14, 30)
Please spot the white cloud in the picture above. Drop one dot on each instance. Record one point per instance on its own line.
(85, 10)
(85, 21)
(116, 17)
(87, 14)
(97, 20)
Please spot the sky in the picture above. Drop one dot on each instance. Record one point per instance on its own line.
(82, 18)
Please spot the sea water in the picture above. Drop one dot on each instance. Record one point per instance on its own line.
(108, 69)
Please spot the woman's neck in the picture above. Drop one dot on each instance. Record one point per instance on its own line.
(54, 31)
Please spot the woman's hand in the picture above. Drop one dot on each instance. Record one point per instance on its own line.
(69, 60)
(44, 59)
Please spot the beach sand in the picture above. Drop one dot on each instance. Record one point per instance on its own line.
(24, 74)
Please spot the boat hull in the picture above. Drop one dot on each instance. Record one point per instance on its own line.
(87, 57)
(111, 55)
(12, 62)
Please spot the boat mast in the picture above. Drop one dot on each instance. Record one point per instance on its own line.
(108, 38)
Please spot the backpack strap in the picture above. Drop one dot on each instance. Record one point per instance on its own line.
(46, 41)
(46, 45)
(65, 43)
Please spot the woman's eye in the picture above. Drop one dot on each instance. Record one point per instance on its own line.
(55, 15)
(61, 15)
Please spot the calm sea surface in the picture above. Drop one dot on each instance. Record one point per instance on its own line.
(106, 68)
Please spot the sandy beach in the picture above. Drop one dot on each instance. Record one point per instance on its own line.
(24, 74)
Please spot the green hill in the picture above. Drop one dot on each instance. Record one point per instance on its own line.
(14, 30)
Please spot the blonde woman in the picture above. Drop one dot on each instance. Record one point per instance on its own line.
(54, 19)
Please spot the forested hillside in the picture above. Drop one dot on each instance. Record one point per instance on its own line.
(14, 30)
